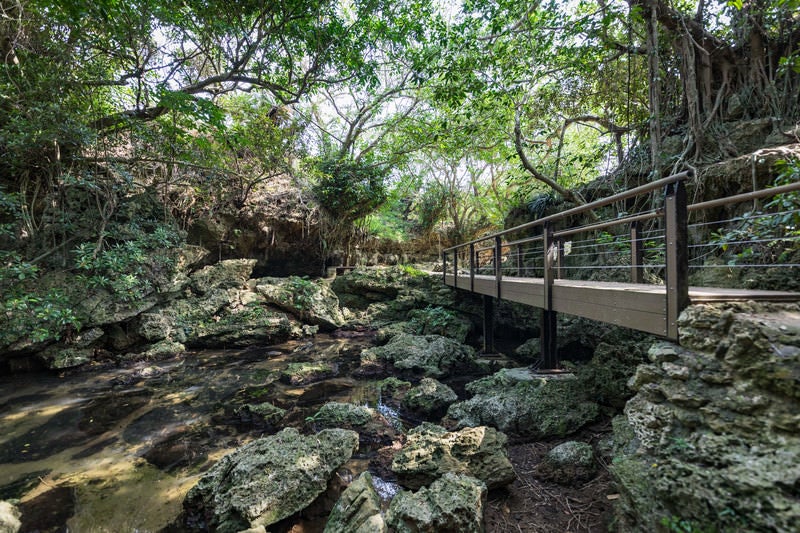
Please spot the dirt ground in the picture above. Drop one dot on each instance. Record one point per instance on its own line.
(532, 505)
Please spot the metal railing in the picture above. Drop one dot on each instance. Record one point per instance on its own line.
(652, 247)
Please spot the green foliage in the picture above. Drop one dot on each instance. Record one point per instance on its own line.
(127, 268)
(302, 291)
(30, 312)
(350, 189)
(410, 270)
(766, 236)
(676, 524)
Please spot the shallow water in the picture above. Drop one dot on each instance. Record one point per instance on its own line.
(117, 449)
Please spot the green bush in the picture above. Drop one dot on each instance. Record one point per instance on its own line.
(29, 312)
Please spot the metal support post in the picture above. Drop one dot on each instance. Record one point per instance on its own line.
(677, 257)
(549, 330)
(488, 324)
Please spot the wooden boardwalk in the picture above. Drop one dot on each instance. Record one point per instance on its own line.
(636, 305)
(631, 305)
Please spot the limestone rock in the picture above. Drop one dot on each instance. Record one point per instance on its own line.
(358, 509)
(267, 480)
(9, 518)
(429, 355)
(712, 436)
(519, 402)
(372, 426)
(430, 398)
(227, 274)
(312, 302)
(569, 462)
(452, 503)
(431, 451)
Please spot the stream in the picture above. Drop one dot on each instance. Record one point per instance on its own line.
(116, 449)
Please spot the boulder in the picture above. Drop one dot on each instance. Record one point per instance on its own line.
(267, 480)
(429, 399)
(9, 518)
(711, 440)
(312, 302)
(227, 274)
(371, 425)
(520, 402)
(452, 503)
(427, 355)
(567, 463)
(358, 509)
(431, 451)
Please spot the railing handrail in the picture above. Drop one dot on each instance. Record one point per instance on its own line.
(636, 191)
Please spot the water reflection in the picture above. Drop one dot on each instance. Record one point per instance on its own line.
(117, 449)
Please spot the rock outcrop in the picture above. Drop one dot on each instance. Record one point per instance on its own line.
(427, 355)
(431, 451)
(518, 401)
(313, 302)
(358, 509)
(452, 503)
(712, 437)
(569, 462)
(429, 398)
(267, 480)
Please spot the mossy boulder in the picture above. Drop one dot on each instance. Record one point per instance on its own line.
(427, 355)
(267, 480)
(431, 451)
(227, 274)
(430, 398)
(313, 302)
(567, 463)
(358, 509)
(371, 425)
(452, 503)
(519, 402)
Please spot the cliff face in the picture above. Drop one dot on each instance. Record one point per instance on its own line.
(711, 440)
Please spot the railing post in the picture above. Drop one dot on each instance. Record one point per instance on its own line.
(455, 268)
(548, 339)
(472, 267)
(444, 267)
(498, 272)
(677, 258)
(637, 253)
(519, 260)
(559, 249)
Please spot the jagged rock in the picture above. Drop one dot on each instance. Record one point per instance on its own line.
(267, 480)
(310, 301)
(712, 437)
(164, 349)
(268, 412)
(519, 402)
(434, 320)
(431, 451)
(358, 509)
(372, 426)
(452, 503)
(227, 274)
(9, 518)
(429, 355)
(569, 462)
(430, 398)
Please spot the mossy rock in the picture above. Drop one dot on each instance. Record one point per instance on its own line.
(429, 398)
(428, 355)
(518, 402)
